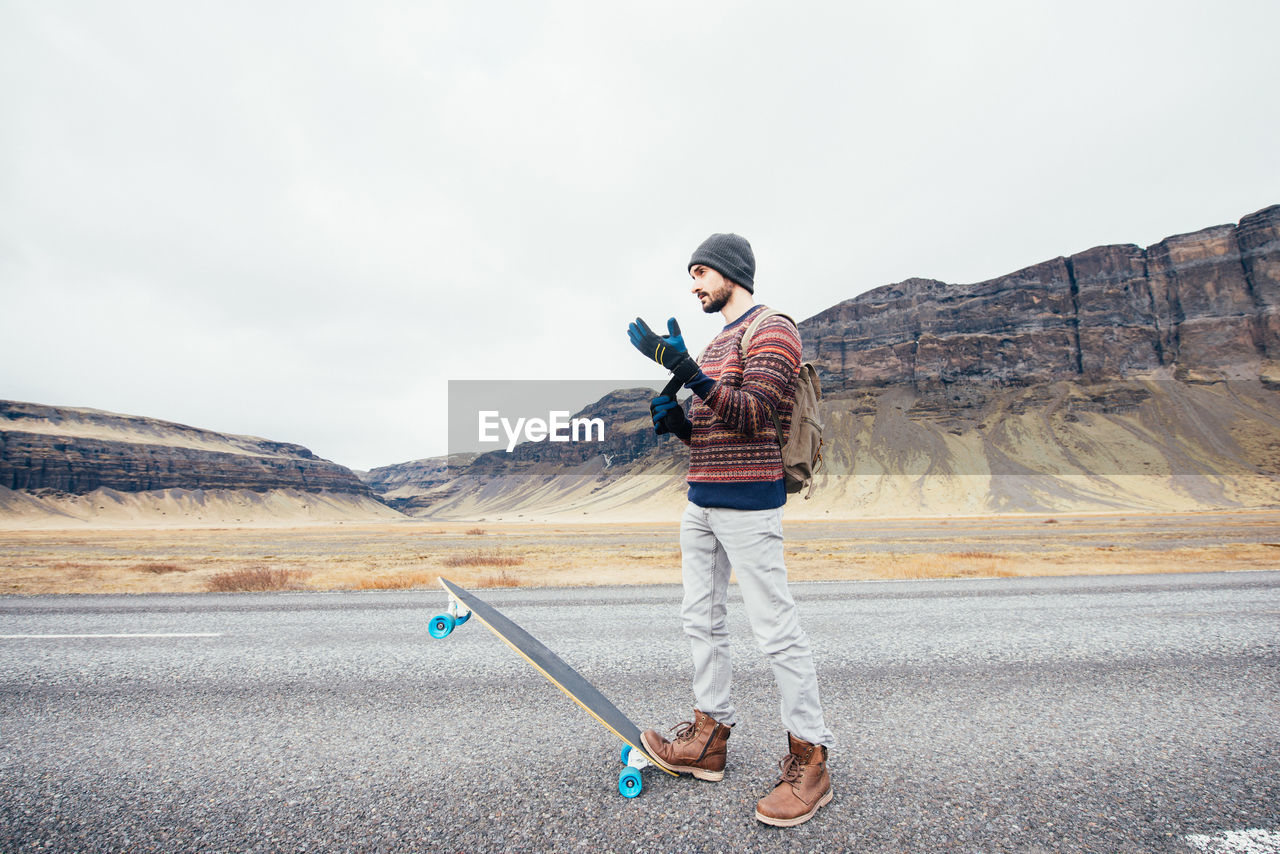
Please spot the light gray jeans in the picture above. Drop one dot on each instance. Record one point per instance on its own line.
(713, 542)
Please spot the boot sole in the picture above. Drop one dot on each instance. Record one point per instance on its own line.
(700, 773)
(800, 819)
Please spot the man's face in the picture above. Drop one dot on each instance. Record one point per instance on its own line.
(711, 288)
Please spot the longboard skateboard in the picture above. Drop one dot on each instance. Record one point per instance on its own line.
(463, 605)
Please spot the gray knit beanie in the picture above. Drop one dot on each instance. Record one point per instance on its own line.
(729, 255)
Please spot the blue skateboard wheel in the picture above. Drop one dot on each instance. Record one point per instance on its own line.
(626, 753)
(441, 625)
(629, 782)
(462, 618)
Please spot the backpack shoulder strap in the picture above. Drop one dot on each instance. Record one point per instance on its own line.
(754, 325)
(743, 342)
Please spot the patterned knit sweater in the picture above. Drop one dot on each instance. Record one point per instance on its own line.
(734, 460)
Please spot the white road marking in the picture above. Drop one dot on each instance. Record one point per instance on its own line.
(130, 635)
(1237, 842)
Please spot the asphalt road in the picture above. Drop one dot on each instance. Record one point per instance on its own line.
(1106, 714)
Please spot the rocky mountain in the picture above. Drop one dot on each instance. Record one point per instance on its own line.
(50, 455)
(415, 476)
(1115, 378)
(1203, 305)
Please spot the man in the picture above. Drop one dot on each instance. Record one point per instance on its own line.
(734, 522)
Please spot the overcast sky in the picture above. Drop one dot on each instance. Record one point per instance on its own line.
(301, 220)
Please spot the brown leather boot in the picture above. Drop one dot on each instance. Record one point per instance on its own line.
(805, 786)
(700, 747)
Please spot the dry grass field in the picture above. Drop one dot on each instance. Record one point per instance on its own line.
(402, 555)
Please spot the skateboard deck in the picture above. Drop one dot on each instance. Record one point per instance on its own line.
(464, 604)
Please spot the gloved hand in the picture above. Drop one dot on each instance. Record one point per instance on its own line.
(668, 351)
(668, 417)
(659, 408)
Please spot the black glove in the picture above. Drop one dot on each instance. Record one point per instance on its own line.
(668, 417)
(669, 352)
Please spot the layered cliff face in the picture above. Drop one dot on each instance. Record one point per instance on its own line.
(409, 478)
(52, 454)
(80, 450)
(1204, 305)
(1119, 378)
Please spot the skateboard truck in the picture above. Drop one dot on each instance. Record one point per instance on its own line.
(629, 781)
(442, 624)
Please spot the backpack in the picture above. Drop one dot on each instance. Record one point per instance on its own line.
(802, 449)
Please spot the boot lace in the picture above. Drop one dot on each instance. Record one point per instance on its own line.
(791, 767)
(685, 730)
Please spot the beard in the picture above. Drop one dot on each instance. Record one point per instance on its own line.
(719, 298)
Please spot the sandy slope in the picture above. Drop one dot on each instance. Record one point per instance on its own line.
(109, 508)
(1154, 445)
